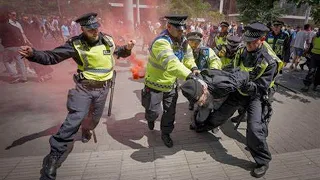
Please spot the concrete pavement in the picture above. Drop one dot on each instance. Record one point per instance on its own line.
(126, 149)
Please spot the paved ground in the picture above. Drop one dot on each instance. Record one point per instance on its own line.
(126, 149)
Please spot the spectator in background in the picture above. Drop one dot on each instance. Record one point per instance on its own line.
(240, 29)
(65, 30)
(12, 38)
(299, 46)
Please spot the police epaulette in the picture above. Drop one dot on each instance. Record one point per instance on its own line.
(107, 39)
(268, 57)
(70, 40)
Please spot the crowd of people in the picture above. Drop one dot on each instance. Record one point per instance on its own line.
(225, 68)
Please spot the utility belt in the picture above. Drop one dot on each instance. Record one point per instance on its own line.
(89, 83)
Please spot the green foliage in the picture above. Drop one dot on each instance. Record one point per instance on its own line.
(192, 8)
(315, 11)
(259, 10)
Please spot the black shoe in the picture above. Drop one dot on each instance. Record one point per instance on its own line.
(259, 170)
(191, 107)
(305, 89)
(236, 119)
(49, 166)
(151, 125)
(86, 135)
(167, 140)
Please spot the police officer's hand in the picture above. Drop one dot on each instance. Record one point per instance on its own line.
(196, 72)
(26, 51)
(130, 44)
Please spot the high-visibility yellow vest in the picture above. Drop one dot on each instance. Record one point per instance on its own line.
(166, 63)
(277, 46)
(261, 66)
(220, 40)
(97, 61)
(316, 45)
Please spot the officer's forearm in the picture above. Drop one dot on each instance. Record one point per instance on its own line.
(263, 83)
(45, 57)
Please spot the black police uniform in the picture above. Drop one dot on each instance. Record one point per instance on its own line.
(257, 89)
(280, 43)
(81, 97)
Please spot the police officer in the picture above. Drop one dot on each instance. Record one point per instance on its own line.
(229, 51)
(93, 52)
(205, 57)
(313, 75)
(219, 40)
(279, 41)
(170, 58)
(262, 64)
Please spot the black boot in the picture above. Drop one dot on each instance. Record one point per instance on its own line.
(151, 125)
(49, 167)
(86, 135)
(167, 140)
(236, 119)
(259, 170)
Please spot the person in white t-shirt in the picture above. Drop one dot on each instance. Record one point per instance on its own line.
(302, 37)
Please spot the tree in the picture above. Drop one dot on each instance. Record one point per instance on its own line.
(192, 8)
(259, 10)
(315, 8)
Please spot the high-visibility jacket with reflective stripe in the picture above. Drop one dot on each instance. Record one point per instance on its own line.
(277, 42)
(166, 63)
(98, 61)
(266, 56)
(316, 45)
(207, 59)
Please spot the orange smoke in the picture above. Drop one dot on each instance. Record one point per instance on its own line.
(138, 68)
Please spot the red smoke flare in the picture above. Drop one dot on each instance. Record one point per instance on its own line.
(138, 68)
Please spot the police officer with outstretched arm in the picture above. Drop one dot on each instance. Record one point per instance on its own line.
(93, 52)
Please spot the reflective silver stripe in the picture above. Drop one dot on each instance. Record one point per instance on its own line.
(160, 85)
(162, 53)
(98, 70)
(166, 61)
(157, 66)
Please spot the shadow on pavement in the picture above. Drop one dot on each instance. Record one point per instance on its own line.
(50, 131)
(228, 130)
(129, 131)
(294, 80)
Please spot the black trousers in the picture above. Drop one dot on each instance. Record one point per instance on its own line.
(80, 100)
(151, 101)
(313, 75)
(257, 130)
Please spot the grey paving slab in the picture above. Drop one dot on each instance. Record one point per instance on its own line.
(28, 168)
(7, 165)
(207, 170)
